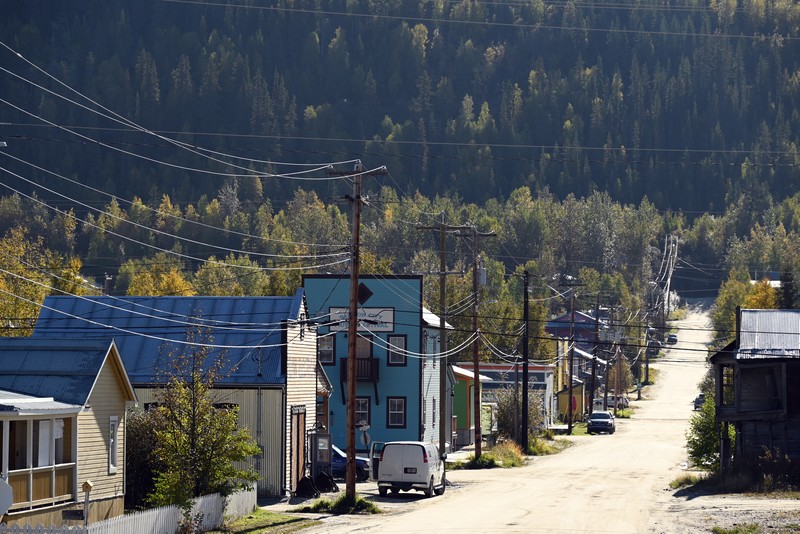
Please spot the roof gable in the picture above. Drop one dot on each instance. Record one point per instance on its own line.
(64, 369)
(245, 331)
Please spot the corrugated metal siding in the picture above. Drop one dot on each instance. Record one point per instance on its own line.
(106, 400)
(268, 431)
(301, 381)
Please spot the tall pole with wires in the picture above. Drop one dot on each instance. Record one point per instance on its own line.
(352, 332)
(443, 402)
(524, 440)
(352, 323)
(475, 353)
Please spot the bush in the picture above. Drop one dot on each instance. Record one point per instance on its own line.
(509, 403)
(702, 441)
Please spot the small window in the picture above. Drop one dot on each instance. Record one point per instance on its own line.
(433, 410)
(113, 426)
(325, 349)
(362, 411)
(396, 351)
(396, 412)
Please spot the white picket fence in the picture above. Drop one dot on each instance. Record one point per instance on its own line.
(164, 520)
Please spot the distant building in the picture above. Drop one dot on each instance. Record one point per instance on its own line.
(757, 386)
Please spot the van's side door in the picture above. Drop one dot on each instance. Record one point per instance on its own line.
(375, 450)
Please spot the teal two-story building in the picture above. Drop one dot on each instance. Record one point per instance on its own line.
(398, 364)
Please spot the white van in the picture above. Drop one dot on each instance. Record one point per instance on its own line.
(410, 465)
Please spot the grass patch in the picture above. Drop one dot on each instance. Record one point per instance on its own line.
(486, 461)
(546, 445)
(342, 505)
(685, 480)
(263, 521)
(509, 454)
(678, 314)
(624, 413)
(652, 377)
(738, 529)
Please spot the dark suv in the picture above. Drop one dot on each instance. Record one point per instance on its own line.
(601, 421)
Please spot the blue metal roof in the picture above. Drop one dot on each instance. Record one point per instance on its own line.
(64, 369)
(245, 331)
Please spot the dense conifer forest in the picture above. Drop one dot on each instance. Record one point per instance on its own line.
(183, 146)
(689, 104)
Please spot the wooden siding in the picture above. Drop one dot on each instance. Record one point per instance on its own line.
(760, 388)
(756, 437)
(107, 400)
(430, 391)
(301, 383)
(268, 431)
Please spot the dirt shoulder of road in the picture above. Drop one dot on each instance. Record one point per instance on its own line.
(691, 511)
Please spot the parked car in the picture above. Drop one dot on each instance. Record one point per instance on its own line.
(339, 464)
(672, 339)
(601, 422)
(411, 465)
(653, 347)
(699, 401)
(622, 402)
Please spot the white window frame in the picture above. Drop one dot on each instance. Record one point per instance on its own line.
(392, 409)
(396, 351)
(113, 444)
(328, 350)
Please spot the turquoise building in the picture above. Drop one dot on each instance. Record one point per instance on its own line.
(397, 351)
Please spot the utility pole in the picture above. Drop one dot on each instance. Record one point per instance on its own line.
(352, 332)
(475, 355)
(570, 409)
(352, 322)
(525, 318)
(443, 403)
(571, 359)
(594, 353)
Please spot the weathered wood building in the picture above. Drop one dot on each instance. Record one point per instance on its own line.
(758, 385)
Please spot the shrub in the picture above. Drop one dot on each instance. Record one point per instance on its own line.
(509, 403)
(702, 441)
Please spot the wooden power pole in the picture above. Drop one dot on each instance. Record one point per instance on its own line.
(352, 322)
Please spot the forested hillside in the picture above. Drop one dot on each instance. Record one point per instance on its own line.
(689, 104)
(179, 147)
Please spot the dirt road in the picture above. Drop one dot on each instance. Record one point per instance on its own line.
(603, 484)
